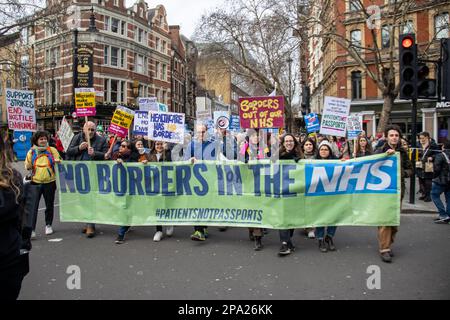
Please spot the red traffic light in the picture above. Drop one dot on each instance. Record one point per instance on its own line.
(407, 42)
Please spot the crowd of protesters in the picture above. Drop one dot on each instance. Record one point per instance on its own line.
(92, 144)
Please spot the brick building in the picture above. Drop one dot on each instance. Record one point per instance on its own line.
(131, 58)
(333, 72)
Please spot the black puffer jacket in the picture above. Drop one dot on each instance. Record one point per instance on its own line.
(442, 168)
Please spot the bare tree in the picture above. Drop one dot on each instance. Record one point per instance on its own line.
(377, 60)
(256, 41)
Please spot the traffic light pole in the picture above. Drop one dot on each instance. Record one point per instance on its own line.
(412, 189)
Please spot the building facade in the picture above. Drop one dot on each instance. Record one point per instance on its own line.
(333, 72)
(131, 58)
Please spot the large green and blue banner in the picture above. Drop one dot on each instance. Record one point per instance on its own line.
(282, 195)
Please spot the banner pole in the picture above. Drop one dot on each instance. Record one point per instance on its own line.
(87, 133)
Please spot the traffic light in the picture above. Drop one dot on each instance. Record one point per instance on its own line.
(446, 70)
(426, 88)
(408, 66)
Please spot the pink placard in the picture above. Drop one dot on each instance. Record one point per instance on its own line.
(119, 131)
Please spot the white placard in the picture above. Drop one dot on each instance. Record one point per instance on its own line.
(148, 104)
(20, 109)
(335, 114)
(65, 134)
(166, 127)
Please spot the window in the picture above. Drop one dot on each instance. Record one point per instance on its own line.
(116, 3)
(164, 72)
(164, 45)
(114, 89)
(105, 89)
(441, 25)
(157, 70)
(356, 85)
(355, 5)
(122, 91)
(24, 72)
(123, 28)
(163, 98)
(355, 36)
(123, 58)
(386, 36)
(114, 56)
(106, 55)
(140, 35)
(107, 23)
(408, 27)
(115, 25)
(157, 44)
(139, 63)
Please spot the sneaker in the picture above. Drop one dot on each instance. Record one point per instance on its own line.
(386, 257)
(158, 236)
(169, 231)
(322, 246)
(330, 243)
(120, 240)
(284, 250)
(311, 235)
(428, 199)
(33, 235)
(442, 220)
(48, 230)
(198, 236)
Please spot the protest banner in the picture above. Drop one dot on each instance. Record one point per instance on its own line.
(284, 195)
(148, 104)
(235, 123)
(221, 119)
(166, 127)
(141, 123)
(312, 122)
(261, 112)
(121, 121)
(335, 114)
(65, 134)
(20, 109)
(85, 102)
(354, 126)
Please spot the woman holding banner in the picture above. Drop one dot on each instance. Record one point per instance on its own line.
(326, 242)
(41, 160)
(290, 150)
(161, 154)
(253, 150)
(309, 149)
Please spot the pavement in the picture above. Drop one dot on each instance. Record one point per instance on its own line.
(419, 206)
(226, 267)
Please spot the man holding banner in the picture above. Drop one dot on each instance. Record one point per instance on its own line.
(386, 234)
(79, 150)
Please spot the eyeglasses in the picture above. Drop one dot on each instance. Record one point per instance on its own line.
(91, 130)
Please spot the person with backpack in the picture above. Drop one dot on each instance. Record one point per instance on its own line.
(41, 160)
(441, 183)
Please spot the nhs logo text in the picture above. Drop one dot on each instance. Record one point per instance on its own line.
(366, 177)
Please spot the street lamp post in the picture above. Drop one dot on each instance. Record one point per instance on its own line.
(289, 61)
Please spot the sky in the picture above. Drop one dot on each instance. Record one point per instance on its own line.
(183, 12)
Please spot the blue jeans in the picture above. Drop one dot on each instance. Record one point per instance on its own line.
(436, 192)
(122, 231)
(320, 232)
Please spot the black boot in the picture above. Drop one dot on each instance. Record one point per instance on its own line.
(330, 243)
(258, 243)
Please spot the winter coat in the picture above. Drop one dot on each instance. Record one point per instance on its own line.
(98, 143)
(430, 152)
(12, 264)
(406, 165)
(442, 169)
